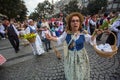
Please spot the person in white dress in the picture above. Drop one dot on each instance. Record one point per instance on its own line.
(2, 30)
(115, 28)
(37, 46)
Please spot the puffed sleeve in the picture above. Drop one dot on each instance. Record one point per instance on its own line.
(89, 40)
(114, 26)
(27, 30)
(61, 39)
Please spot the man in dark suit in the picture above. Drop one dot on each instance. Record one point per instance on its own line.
(12, 35)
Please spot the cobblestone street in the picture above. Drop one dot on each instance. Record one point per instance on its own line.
(48, 67)
(59, 39)
(44, 67)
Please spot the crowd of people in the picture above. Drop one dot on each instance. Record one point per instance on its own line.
(73, 33)
(13, 30)
(96, 21)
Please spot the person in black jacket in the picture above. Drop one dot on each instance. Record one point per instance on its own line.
(12, 35)
(92, 23)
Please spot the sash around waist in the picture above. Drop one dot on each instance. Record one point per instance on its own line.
(75, 49)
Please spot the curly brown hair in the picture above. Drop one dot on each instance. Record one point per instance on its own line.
(69, 18)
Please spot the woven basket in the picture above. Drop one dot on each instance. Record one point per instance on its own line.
(107, 54)
(31, 40)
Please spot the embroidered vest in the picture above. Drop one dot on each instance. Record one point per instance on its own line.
(32, 30)
(79, 43)
(11, 31)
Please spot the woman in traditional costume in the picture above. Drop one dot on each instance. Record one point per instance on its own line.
(37, 46)
(76, 62)
(115, 28)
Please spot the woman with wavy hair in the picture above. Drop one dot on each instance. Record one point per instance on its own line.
(76, 62)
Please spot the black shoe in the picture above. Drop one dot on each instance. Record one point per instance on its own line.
(16, 51)
(50, 48)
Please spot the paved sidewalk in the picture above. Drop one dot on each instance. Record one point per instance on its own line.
(24, 54)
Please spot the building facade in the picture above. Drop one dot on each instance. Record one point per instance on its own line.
(113, 5)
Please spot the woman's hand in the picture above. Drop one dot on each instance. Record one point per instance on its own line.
(6, 31)
(85, 32)
(99, 31)
(48, 36)
(96, 32)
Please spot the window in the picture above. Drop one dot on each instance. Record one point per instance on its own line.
(115, 5)
(119, 5)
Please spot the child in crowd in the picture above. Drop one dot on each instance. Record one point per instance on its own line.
(44, 39)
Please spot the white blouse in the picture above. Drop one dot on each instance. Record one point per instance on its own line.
(27, 30)
(62, 38)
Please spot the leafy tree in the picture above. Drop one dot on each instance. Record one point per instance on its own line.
(44, 8)
(12, 8)
(72, 6)
(22, 11)
(96, 5)
(84, 11)
(34, 16)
